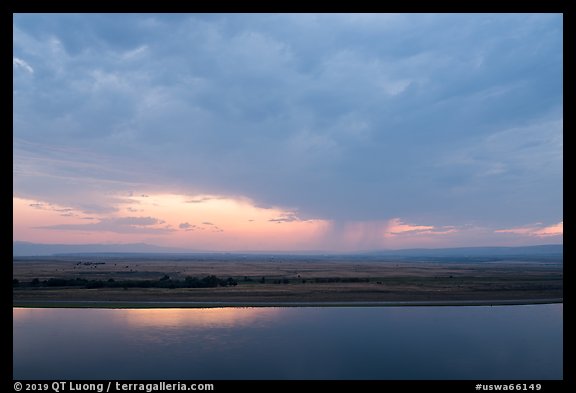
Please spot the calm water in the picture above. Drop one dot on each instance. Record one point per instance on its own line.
(505, 342)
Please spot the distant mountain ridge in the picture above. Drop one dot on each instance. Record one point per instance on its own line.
(39, 249)
(20, 248)
(546, 249)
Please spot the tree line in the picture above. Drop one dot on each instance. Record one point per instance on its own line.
(211, 281)
(165, 282)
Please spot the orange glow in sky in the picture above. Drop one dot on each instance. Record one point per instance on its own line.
(218, 223)
(202, 222)
(537, 230)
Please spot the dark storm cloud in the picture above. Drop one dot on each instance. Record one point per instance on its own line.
(118, 225)
(450, 118)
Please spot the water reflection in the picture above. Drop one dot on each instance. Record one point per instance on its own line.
(200, 318)
(153, 318)
(511, 342)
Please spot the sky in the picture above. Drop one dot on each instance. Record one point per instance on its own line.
(291, 132)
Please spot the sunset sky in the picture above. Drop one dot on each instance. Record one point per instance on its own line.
(292, 132)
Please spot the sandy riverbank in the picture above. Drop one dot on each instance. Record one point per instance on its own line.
(151, 304)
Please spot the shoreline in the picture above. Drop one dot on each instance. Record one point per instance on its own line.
(98, 304)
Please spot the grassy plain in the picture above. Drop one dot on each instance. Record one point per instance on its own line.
(281, 280)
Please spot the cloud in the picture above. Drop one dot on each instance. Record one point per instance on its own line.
(208, 226)
(144, 225)
(135, 53)
(139, 221)
(21, 64)
(64, 211)
(536, 230)
(187, 227)
(551, 230)
(446, 119)
(396, 226)
(203, 199)
(285, 218)
(205, 226)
